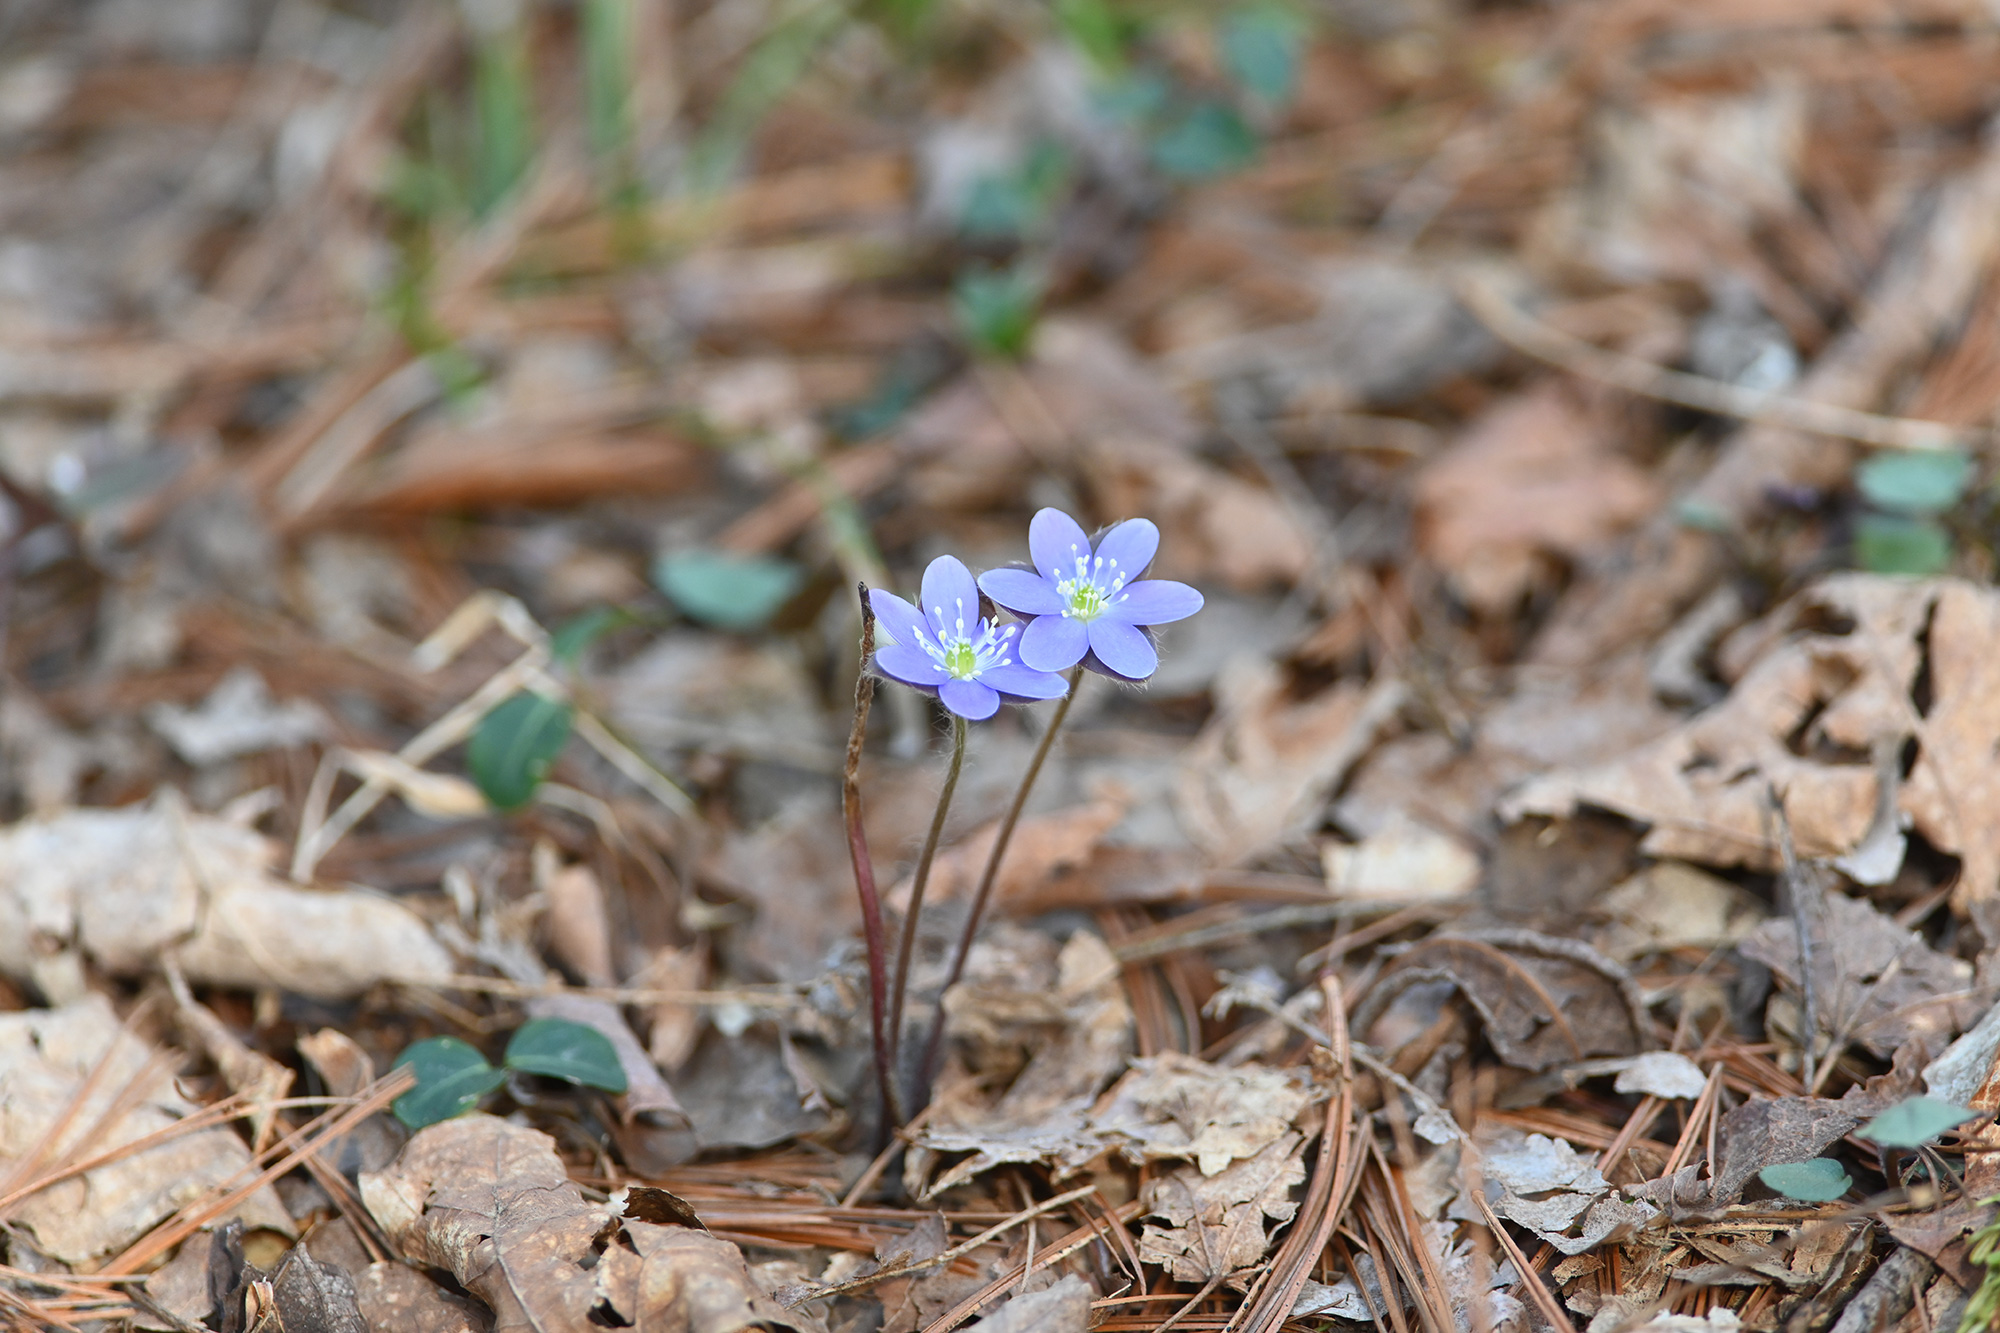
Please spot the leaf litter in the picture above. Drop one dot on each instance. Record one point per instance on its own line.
(1552, 881)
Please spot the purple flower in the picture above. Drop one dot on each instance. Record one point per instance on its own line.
(1090, 607)
(948, 650)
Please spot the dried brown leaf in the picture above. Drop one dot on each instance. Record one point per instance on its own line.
(491, 1203)
(122, 887)
(1873, 982)
(1533, 477)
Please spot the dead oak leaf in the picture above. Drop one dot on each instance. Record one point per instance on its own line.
(1856, 664)
(1772, 1131)
(1216, 1225)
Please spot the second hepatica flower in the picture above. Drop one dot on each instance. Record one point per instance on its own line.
(1088, 605)
(945, 647)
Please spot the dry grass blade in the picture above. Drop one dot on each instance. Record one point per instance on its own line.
(1674, 386)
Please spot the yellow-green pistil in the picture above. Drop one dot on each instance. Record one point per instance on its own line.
(1089, 598)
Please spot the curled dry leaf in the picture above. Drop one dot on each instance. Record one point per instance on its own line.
(1544, 1001)
(45, 1057)
(123, 887)
(492, 1204)
(1855, 664)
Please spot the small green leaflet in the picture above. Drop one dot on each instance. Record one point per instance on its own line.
(1915, 1121)
(1260, 47)
(1822, 1180)
(726, 590)
(515, 746)
(1892, 544)
(451, 1078)
(1916, 482)
(996, 311)
(1208, 141)
(558, 1048)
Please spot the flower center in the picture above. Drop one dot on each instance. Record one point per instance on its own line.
(1087, 592)
(965, 655)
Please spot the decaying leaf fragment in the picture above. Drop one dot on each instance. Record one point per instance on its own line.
(45, 1057)
(1856, 665)
(1175, 1106)
(1545, 1185)
(123, 887)
(490, 1203)
(1543, 1001)
(1216, 1224)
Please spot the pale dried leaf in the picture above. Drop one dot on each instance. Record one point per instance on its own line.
(45, 1056)
(1175, 1106)
(238, 717)
(1401, 861)
(1063, 1307)
(124, 886)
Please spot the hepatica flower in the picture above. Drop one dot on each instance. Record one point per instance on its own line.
(1088, 605)
(945, 647)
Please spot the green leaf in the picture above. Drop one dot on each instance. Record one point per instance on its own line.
(570, 642)
(515, 746)
(1822, 1180)
(726, 590)
(1260, 47)
(1891, 544)
(451, 1078)
(996, 311)
(1208, 141)
(503, 130)
(1915, 1121)
(558, 1048)
(1915, 482)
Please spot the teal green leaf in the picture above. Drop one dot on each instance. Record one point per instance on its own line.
(451, 1078)
(1915, 1121)
(996, 311)
(515, 746)
(1915, 482)
(1822, 1180)
(1891, 544)
(726, 590)
(574, 638)
(1260, 48)
(558, 1048)
(1208, 141)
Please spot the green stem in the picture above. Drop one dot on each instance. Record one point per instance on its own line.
(900, 989)
(928, 1069)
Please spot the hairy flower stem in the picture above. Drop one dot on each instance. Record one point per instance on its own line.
(932, 1047)
(901, 987)
(864, 880)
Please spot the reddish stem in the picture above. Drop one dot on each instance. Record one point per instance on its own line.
(864, 879)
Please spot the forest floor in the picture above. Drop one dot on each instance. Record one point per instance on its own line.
(1553, 881)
